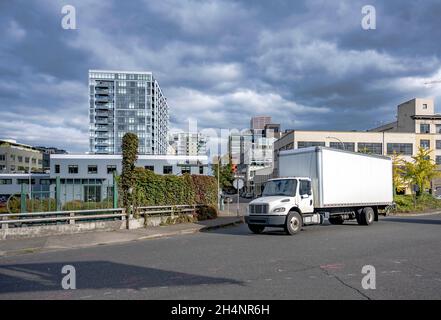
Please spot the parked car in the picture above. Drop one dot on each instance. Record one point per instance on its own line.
(227, 199)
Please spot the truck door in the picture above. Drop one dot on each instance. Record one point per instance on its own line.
(306, 203)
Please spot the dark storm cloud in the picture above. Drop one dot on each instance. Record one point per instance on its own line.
(309, 64)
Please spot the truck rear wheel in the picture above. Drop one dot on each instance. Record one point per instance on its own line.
(336, 220)
(366, 216)
(293, 223)
(255, 228)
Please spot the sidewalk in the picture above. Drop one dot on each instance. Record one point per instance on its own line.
(89, 239)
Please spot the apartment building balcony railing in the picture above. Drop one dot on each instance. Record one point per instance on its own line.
(102, 144)
(99, 98)
(102, 106)
(103, 84)
(102, 151)
(102, 120)
(102, 114)
(101, 135)
(102, 90)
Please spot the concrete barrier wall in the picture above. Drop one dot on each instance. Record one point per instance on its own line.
(41, 231)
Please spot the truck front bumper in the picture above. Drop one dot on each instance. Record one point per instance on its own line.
(266, 220)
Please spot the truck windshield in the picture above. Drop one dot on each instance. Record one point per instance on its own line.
(280, 188)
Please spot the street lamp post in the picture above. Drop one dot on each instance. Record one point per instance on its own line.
(342, 143)
(30, 179)
(218, 184)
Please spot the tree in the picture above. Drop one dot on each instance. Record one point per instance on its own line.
(422, 170)
(398, 173)
(226, 176)
(128, 177)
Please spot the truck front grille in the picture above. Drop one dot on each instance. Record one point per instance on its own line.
(258, 208)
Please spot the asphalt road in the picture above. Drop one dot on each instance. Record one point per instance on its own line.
(322, 262)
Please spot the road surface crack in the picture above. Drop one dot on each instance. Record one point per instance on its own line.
(345, 284)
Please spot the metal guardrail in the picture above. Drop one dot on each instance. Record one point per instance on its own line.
(17, 220)
(158, 210)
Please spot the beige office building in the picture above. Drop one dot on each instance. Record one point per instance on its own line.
(18, 157)
(417, 125)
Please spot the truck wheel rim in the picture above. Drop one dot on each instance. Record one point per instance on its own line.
(370, 217)
(294, 223)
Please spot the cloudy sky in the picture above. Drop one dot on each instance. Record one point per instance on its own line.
(308, 64)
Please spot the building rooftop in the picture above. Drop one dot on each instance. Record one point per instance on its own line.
(23, 175)
(118, 71)
(427, 117)
(16, 144)
(119, 156)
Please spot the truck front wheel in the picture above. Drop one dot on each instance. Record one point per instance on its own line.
(366, 216)
(255, 228)
(293, 223)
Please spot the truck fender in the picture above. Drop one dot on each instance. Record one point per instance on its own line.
(296, 209)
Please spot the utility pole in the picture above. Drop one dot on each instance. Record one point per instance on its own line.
(218, 183)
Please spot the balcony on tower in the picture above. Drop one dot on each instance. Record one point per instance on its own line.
(103, 98)
(101, 142)
(100, 113)
(103, 84)
(101, 120)
(102, 105)
(104, 91)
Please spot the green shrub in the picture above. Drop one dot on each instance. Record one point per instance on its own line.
(407, 203)
(206, 213)
(81, 205)
(34, 205)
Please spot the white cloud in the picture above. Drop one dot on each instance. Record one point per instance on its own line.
(42, 133)
(234, 109)
(15, 31)
(290, 54)
(200, 17)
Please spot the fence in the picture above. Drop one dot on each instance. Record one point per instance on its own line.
(14, 220)
(65, 194)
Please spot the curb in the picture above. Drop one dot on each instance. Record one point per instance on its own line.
(153, 236)
(414, 214)
(230, 224)
(190, 231)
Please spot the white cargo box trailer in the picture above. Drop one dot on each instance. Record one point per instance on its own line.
(341, 178)
(318, 183)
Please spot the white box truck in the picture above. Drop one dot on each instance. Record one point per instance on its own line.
(319, 182)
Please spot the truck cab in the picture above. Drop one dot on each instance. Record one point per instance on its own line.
(285, 202)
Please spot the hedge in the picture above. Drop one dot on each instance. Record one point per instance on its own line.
(155, 190)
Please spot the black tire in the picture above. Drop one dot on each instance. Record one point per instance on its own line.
(293, 223)
(255, 228)
(336, 220)
(366, 216)
(358, 213)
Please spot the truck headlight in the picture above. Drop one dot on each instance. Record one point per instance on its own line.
(279, 209)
